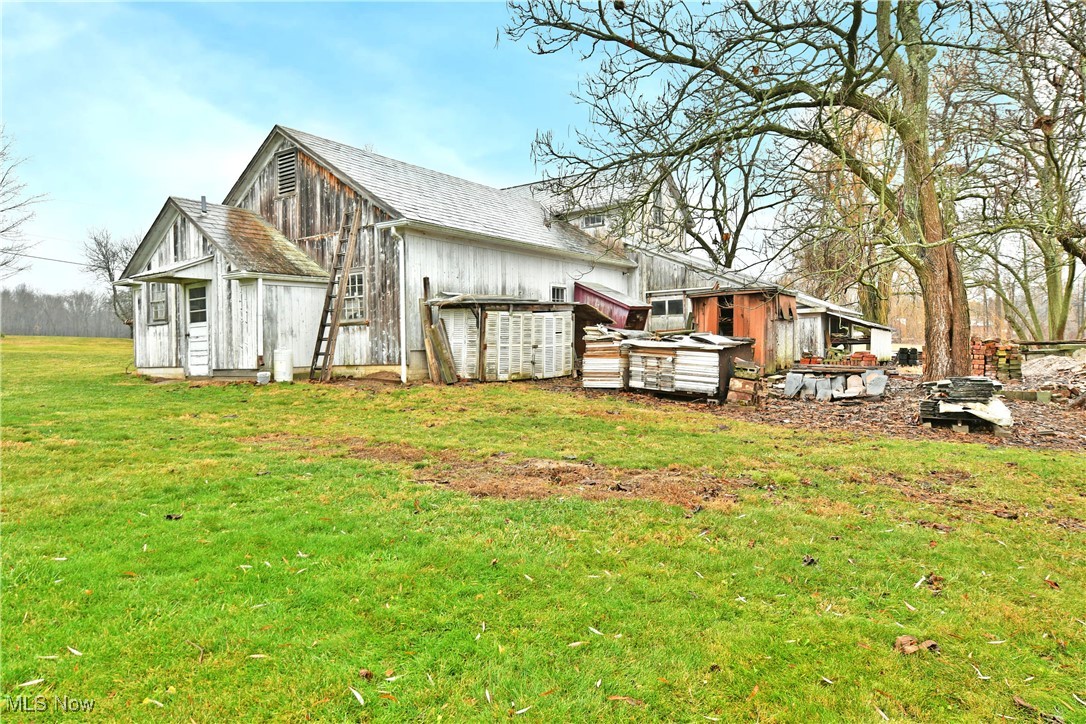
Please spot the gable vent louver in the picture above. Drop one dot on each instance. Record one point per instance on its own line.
(287, 171)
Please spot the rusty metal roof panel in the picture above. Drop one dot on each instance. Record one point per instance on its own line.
(423, 195)
(251, 243)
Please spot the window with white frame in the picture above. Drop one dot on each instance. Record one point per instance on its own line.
(354, 301)
(667, 307)
(558, 294)
(156, 303)
(592, 221)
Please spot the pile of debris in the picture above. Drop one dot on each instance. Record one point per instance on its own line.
(689, 364)
(604, 365)
(963, 401)
(746, 386)
(834, 382)
(997, 359)
(1064, 378)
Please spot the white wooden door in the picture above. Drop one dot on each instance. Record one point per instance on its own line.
(198, 358)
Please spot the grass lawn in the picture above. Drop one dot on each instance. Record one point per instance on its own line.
(308, 550)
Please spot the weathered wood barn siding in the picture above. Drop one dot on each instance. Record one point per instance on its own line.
(811, 333)
(232, 311)
(157, 345)
(655, 273)
(458, 267)
(292, 313)
(310, 217)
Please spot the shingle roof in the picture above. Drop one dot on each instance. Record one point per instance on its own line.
(431, 197)
(251, 243)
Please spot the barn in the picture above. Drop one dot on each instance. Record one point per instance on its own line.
(326, 250)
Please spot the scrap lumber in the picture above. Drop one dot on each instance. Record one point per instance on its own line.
(432, 365)
(443, 349)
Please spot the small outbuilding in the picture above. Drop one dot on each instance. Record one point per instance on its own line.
(625, 311)
(765, 314)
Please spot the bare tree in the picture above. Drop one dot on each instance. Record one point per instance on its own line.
(106, 259)
(678, 83)
(16, 208)
(1022, 112)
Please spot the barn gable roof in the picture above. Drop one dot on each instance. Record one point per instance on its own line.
(250, 243)
(433, 199)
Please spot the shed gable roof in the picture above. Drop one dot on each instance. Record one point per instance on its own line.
(248, 241)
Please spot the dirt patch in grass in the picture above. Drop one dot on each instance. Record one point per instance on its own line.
(500, 477)
(540, 478)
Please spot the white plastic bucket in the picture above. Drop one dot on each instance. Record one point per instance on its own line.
(283, 365)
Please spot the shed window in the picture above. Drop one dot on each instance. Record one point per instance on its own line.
(661, 307)
(156, 307)
(287, 171)
(354, 302)
(558, 294)
(592, 221)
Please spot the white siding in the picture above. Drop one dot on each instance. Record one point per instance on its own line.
(880, 344)
(291, 315)
(459, 267)
(810, 335)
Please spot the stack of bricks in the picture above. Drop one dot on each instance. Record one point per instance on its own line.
(810, 360)
(746, 386)
(996, 359)
(862, 359)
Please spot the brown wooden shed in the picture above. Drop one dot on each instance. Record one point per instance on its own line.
(765, 314)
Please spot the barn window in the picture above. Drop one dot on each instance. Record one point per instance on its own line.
(558, 294)
(156, 307)
(592, 221)
(205, 245)
(661, 307)
(287, 171)
(354, 301)
(658, 215)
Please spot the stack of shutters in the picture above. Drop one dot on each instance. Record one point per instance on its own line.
(519, 345)
(464, 339)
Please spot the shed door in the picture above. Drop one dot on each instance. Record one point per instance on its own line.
(198, 359)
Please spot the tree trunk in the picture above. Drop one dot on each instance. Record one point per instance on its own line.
(946, 330)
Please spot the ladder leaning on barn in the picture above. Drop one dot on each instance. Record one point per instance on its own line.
(324, 351)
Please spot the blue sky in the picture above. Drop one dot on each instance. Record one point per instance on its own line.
(116, 106)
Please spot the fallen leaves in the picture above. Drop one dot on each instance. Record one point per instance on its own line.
(907, 645)
(1044, 716)
(626, 699)
(365, 674)
(810, 560)
(361, 701)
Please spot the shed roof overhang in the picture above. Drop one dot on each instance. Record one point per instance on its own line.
(199, 269)
(858, 321)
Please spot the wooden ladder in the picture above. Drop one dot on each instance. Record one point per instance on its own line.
(324, 350)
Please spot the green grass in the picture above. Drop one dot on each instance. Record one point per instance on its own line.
(705, 615)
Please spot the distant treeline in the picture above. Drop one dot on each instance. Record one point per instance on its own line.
(72, 314)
